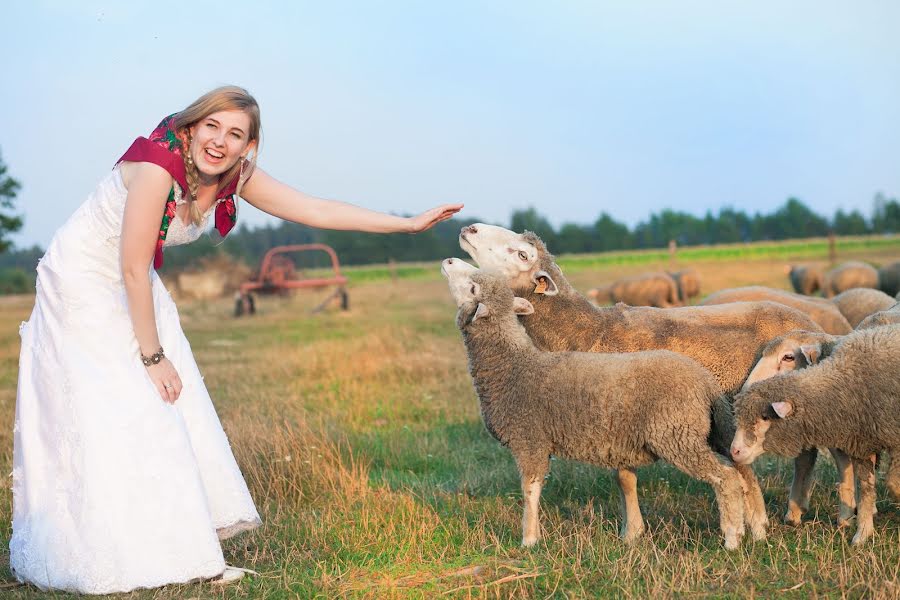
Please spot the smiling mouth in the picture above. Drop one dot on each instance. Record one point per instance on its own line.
(214, 154)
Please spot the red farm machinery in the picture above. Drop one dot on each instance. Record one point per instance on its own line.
(278, 275)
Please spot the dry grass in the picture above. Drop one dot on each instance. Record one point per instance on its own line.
(360, 437)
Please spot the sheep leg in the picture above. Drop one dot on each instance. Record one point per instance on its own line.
(865, 478)
(801, 486)
(754, 505)
(632, 521)
(846, 487)
(726, 484)
(532, 472)
(893, 475)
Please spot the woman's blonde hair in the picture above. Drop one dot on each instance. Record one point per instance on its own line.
(229, 97)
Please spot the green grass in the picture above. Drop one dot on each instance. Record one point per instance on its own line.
(360, 437)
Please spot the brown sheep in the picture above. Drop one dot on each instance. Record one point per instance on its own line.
(688, 283)
(849, 401)
(646, 289)
(890, 316)
(820, 310)
(853, 274)
(584, 406)
(806, 279)
(859, 303)
(725, 339)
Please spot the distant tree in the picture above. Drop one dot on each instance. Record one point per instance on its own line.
(575, 238)
(885, 214)
(849, 224)
(609, 234)
(9, 223)
(532, 221)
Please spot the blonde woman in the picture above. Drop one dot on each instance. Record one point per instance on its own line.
(122, 475)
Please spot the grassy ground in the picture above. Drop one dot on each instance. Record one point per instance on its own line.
(360, 437)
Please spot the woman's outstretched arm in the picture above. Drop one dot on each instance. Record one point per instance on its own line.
(270, 195)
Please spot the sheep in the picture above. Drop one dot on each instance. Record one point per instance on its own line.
(820, 310)
(601, 294)
(850, 401)
(613, 410)
(797, 350)
(688, 283)
(647, 289)
(890, 316)
(806, 279)
(889, 279)
(858, 303)
(723, 338)
(853, 274)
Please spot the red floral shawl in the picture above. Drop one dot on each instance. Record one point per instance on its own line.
(163, 148)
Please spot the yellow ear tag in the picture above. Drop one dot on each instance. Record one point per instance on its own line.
(541, 286)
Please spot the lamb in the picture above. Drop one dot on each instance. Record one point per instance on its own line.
(850, 275)
(858, 303)
(889, 279)
(806, 279)
(688, 283)
(850, 401)
(786, 353)
(586, 406)
(890, 316)
(724, 338)
(820, 310)
(647, 289)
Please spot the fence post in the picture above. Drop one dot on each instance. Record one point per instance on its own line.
(673, 247)
(832, 250)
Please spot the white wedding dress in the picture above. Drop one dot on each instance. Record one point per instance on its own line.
(113, 489)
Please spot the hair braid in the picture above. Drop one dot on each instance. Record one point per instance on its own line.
(193, 179)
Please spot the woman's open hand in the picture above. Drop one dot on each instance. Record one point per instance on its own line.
(166, 380)
(432, 217)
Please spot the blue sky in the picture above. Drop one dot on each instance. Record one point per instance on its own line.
(571, 107)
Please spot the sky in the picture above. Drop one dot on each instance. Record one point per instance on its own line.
(574, 108)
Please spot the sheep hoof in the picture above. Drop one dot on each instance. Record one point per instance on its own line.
(630, 536)
(793, 518)
(530, 541)
(862, 536)
(758, 530)
(732, 539)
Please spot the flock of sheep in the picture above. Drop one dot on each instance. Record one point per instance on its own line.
(706, 388)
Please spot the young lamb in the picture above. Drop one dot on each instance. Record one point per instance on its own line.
(849, 401)
(614, 410)
(858, 303)
(786, 353)
(822, 311)
(724, 338)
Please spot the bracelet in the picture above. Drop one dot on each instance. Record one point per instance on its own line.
(153, 358)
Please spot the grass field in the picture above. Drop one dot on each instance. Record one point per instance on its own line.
(360, 437)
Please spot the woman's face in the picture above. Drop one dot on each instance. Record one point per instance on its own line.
(219, 141)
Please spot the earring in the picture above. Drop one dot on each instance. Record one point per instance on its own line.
(241, 173)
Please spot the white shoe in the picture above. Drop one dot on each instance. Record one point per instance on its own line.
(231, 575)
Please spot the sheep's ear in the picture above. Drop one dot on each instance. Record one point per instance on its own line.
(544, 284)
(481, 312)
(521, 306)
(812, 353)
(782, 409)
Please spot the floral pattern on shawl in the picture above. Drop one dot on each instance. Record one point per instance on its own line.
(164, 147)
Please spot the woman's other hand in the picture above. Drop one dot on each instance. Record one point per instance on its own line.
(430, 218)
(166, 380)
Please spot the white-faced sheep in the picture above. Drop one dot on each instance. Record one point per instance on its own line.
(806, 279)
(858, 303)
(725, 339)
(614, 410)
(853, 274)
(820, 310)
(850, 401)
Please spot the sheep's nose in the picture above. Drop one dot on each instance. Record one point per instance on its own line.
(470, 229)
(735, 452)
(449, 261)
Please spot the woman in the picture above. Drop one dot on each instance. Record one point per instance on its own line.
(122, 475)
